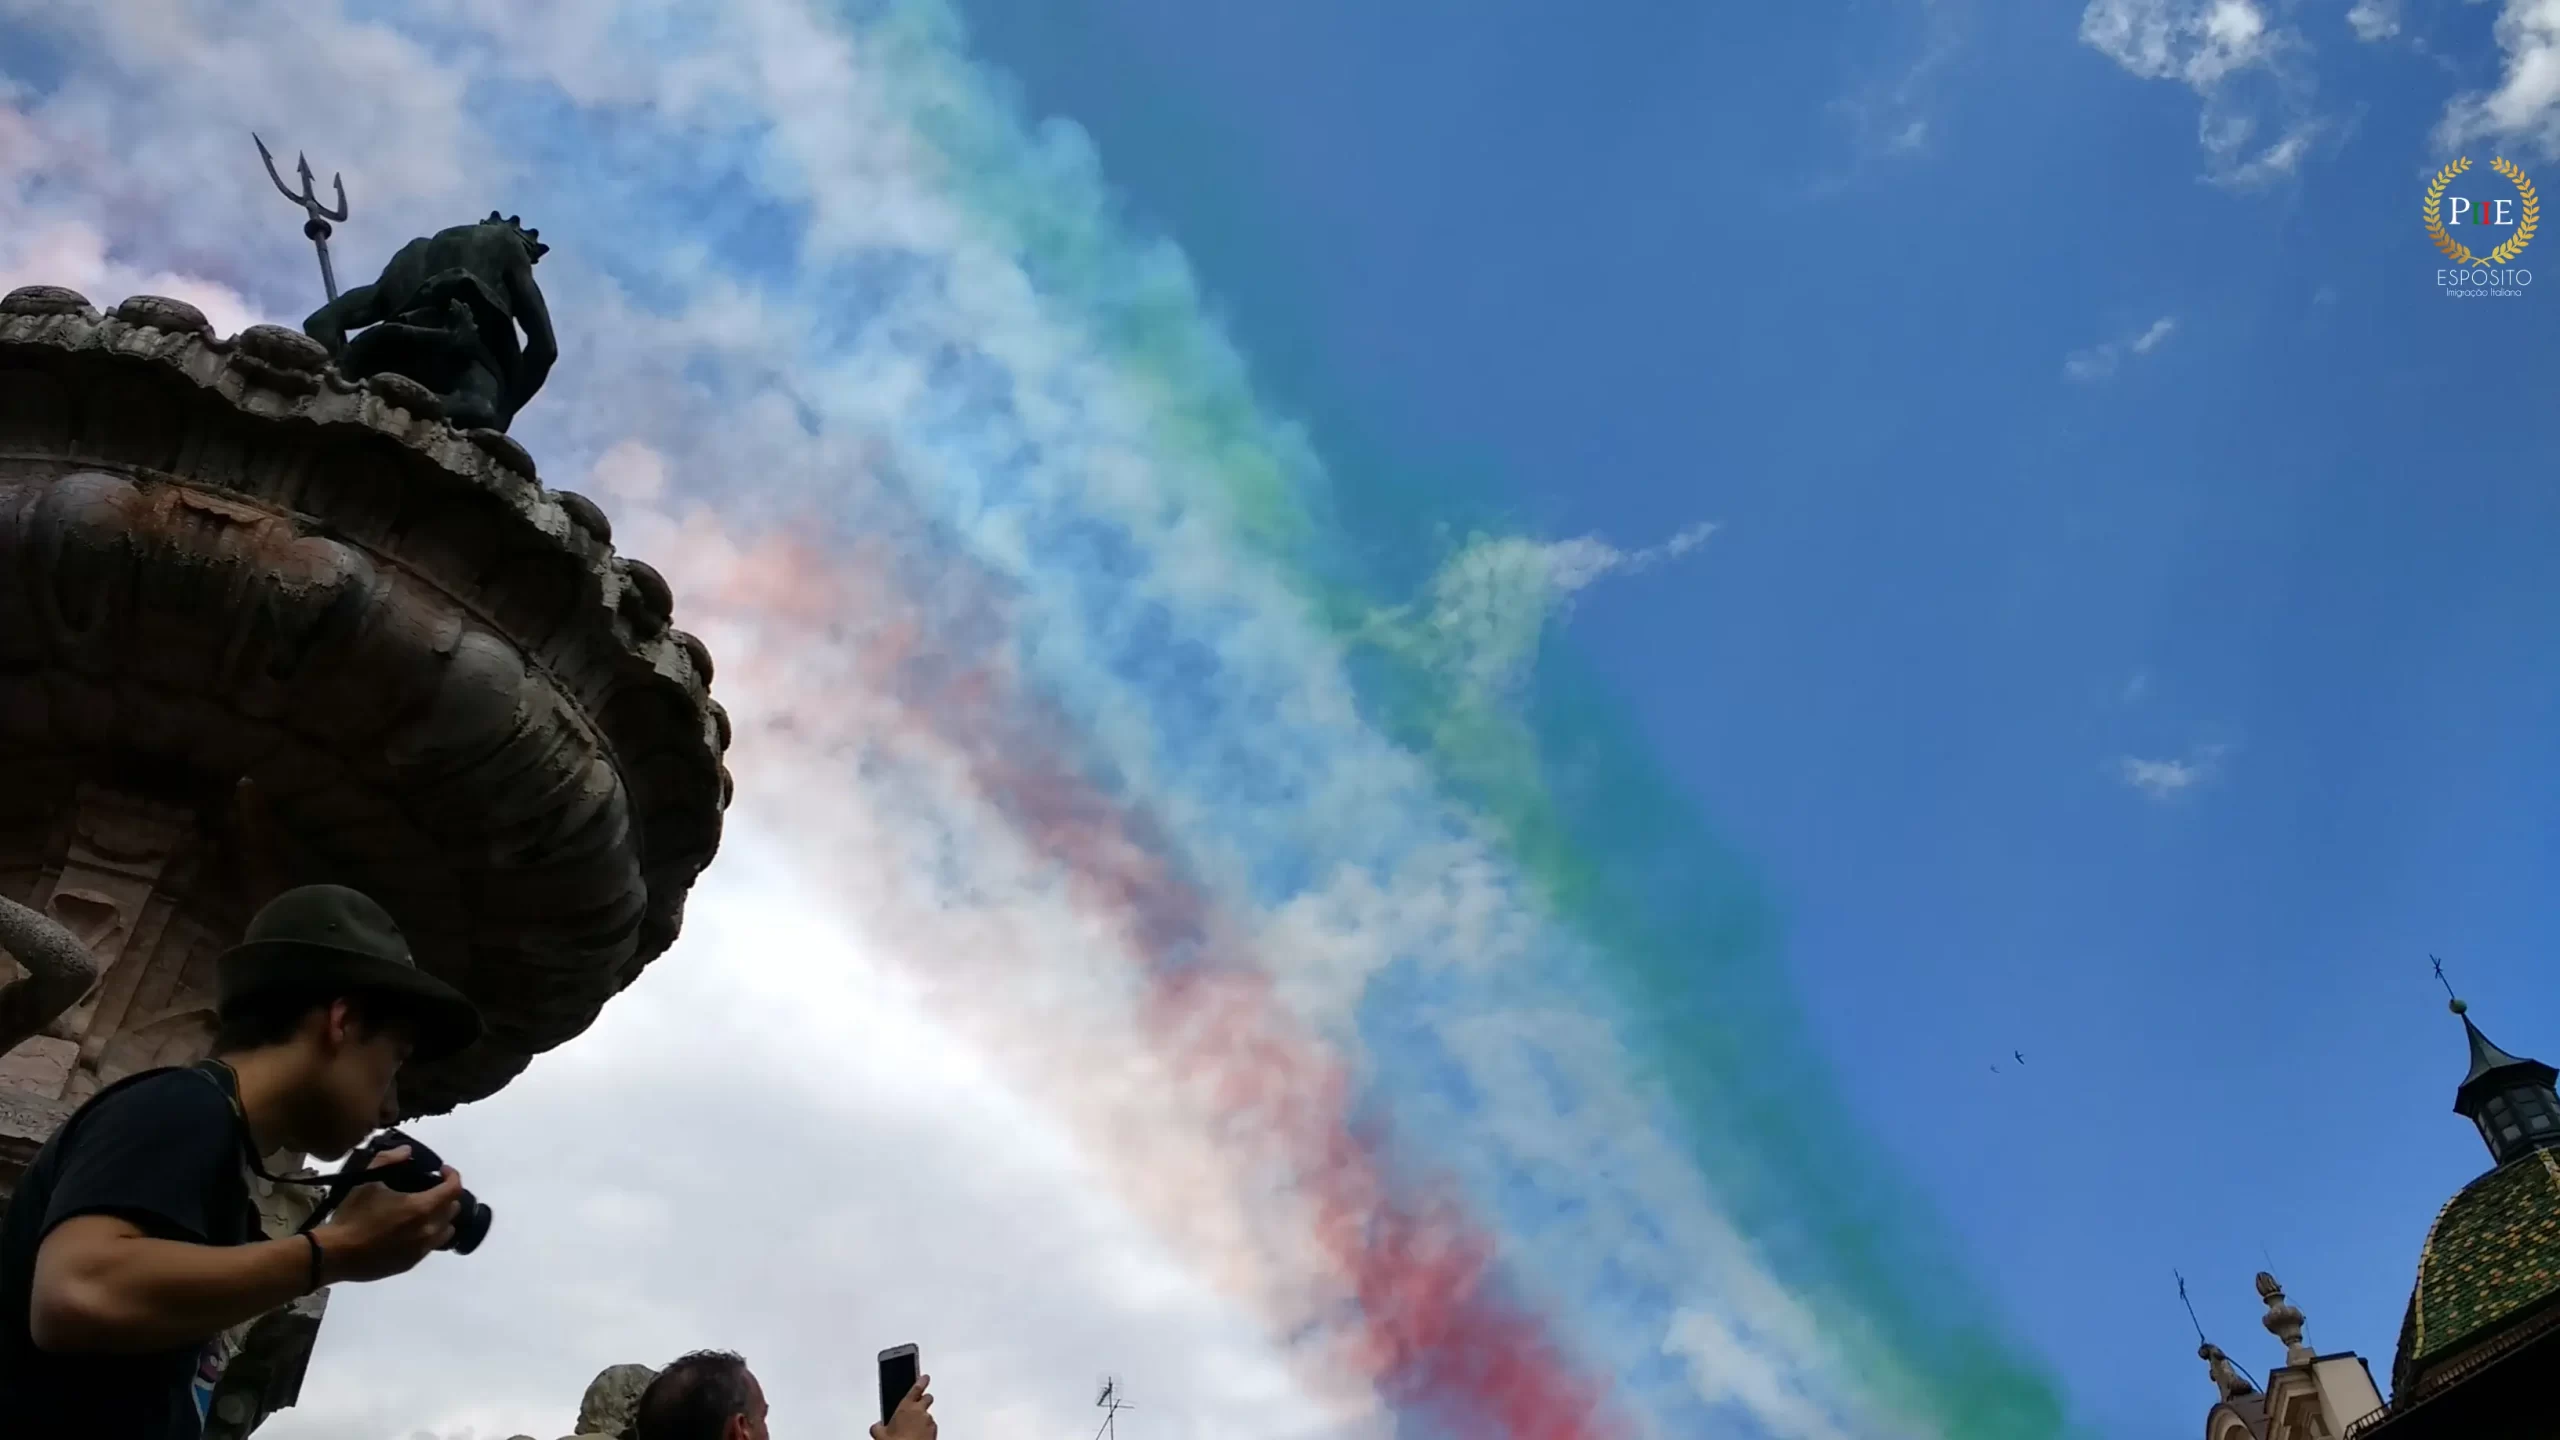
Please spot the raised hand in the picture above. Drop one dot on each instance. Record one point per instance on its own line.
(913, 1419)
(379, 1232)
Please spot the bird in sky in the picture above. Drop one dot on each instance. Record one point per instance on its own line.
(2018, 1056)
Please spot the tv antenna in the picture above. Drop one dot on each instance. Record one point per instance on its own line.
(1110, 1403)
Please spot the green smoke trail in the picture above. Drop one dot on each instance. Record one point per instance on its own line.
(1560, 773)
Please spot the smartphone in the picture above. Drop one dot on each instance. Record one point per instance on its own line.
(897, 1377)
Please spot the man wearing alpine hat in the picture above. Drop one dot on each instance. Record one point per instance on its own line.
(132, 1243)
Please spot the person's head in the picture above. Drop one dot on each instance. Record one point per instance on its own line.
(323, 996)
(707, 1395)
(340, 1056)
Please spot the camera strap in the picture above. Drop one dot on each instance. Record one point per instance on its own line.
(227, 1080)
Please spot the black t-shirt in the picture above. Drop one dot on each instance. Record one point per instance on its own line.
(162, 1151)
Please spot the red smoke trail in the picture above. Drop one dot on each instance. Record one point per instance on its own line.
(1432, 1330)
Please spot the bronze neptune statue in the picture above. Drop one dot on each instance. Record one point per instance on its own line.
(445, 314)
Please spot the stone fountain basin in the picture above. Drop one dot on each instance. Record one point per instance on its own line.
(219, 559)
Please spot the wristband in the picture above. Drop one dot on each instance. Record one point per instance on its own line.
(315, 1262)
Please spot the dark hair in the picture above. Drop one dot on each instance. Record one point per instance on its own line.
(255, 1022)
(692, 1399)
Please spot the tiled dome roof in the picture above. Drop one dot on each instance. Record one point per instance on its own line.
(2492, 1260)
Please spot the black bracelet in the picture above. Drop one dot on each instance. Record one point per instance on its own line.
(315, 1262)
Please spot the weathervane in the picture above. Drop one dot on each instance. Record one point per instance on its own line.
(2452, 1001)
(318, 225)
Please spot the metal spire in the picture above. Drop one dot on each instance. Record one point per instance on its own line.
(2486, 1055)
(317, 227)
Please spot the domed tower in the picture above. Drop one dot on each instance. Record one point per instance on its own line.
(2510, 1101)
(2479, 1354)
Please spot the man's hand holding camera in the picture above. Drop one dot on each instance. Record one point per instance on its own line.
(379, 1232)
(132, 1246)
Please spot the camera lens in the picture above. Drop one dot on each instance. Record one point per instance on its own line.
(470, 1226)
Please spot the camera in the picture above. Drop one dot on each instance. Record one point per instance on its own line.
(420, 1171)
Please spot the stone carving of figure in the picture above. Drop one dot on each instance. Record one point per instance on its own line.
(610, 1401)
(59, 973)
(445, 314)
(2226, 1376)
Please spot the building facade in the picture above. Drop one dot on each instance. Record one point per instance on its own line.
(2479, 1349)
(2313, 1397)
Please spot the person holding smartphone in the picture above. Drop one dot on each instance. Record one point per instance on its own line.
(711, 1395)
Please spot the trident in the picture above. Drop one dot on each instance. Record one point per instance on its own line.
(309, 200)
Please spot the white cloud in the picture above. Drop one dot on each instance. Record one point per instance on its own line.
(773, 1144)
(1731, 1368)
(1890, 112)
(2096, 363)
(2375, 20)
(1073, 1039)
(632, 473)
(2237, 165)
(2103, 360)
(2256, 124)
(2167, 779)
(2524, 109)
(778, 1140)
(1490, 602)
(2159, 778)
(69, 253)
(2198, 42)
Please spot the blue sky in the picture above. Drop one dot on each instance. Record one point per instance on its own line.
(1641, 265)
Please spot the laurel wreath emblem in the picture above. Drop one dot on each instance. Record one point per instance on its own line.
(2526, 222)
(2526, 219)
